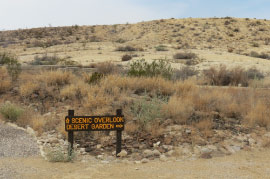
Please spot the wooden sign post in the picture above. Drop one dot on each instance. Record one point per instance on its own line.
(95, 123)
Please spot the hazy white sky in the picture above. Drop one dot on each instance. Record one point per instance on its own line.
(16, 14)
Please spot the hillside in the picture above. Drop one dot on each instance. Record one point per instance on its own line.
(230, 41)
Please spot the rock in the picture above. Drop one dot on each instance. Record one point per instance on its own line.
(205, 150)
(148, 153)
(144, 160)
(206, 155)
(163, 158)
(170, 153)
(156, 152)
(47, 114)
(99, 146)
(168, 140)
(188, 131)
(251, 141)
(53, 140)
(137, 162)
(123, 153)
(156, 144)
(30, 131)
(88, 149)
(82, 150)
(100, 157)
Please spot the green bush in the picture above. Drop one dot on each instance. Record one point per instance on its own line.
(155, 68)
(11, 112)
(146, 111)
(161, 48)
(13, 66)
(94, 78)
(57, 155)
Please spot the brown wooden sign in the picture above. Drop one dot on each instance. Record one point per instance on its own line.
(95, 123)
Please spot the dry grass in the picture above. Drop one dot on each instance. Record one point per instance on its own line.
(28, 88)
(180, 101)
(179, 109)
(259, 115)
(56, 78)
(5, 81)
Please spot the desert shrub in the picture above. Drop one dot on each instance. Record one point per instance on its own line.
(51, 60)
(106, 68)
(126, 48)
(254, 74)
(28, 88)
(259, 115)
(184, 73)
(155, 68)
(225, 77)
(58, 155)
(5, 81)
(161, 48)
(259, 55)
(11, 112)
(94, 78)
(126, 57)
(185, 55)
(147, 111)
(56, 78)
(179, 109)
(13, 66)
(120, 40)
(255, 44)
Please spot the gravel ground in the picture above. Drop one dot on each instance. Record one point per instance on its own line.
(14, 143)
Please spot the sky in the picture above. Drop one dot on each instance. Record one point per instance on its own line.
(15, 14)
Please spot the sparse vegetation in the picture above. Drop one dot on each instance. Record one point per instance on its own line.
(155, 68)
(185, 55)
(10, 112)
(13, 66)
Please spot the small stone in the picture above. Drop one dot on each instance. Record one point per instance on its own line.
(144, 160)
(170, 153)
(100, 157)
(105, 162)
(137, 162)
(53, 140)
(88, 149)
(99, 146)
(123, 153)
(148, 153)
(188, 131)
(156, 152)
(82, 150)
(163, 158)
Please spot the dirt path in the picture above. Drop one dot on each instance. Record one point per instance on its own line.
(254, 164)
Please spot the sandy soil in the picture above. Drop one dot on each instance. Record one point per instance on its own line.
(241, 165)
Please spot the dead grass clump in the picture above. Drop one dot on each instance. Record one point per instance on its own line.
(185, 55)
(28, 88)
(184, 73)
(224, 77)
(205, 127)
(56, 78)
(126, 48)
(5, 81)
(107, 68)
(259, 115)
(74, 91)
(178, 109)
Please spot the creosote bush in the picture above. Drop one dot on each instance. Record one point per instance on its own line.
(234, 77)
(12, 64)
(155, 68)
(185, 55)
(11, 112)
